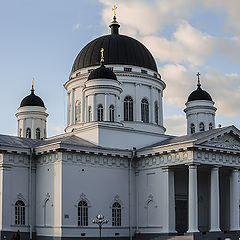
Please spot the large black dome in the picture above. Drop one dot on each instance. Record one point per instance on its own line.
(32, 100)
(119, 49)
(199, 94)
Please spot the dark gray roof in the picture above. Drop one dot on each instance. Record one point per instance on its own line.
(13, 141)
(119, 49)
(199, 94)
(32, 100)
(102, 72)
(72, 139)
(185, 138)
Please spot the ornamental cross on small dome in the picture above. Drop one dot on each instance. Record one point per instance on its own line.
(102, 55)
(198, 75)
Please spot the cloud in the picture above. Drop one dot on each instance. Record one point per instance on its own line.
(179, 81)
(226, 92)
(187, 46)
(176, 125)
(58, 129)
(224, 88)
(147, 17)
(76, 26)
(231, 7)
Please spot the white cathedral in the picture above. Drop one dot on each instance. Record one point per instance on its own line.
(115, 159)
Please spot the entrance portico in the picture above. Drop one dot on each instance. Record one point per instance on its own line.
(203, 196)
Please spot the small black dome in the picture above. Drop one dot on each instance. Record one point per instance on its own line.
(102, 72)
(32, 100)
(199, 94)
(120, 49)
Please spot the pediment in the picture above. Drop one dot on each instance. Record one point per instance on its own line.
(227, 139)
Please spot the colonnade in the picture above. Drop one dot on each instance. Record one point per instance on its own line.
(193, 200)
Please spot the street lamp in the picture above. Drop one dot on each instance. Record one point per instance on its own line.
(100, 221)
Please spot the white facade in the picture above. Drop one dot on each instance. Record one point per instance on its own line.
(32, 122)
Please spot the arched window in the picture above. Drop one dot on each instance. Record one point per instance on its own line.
(89, 113)
(111, 113)
(192, 128)
(128, 108)
(20, 213)
(100, 112)
(116, 214)
(78, 111)
(201, 127)
(145, 110)
(28, 133)
(156, 111)
(210, 126)
(37, 133)
(82, 213)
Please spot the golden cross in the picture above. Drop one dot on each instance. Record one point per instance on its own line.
(198, 75)
(102, 57)
(32, 83)
(114, 10)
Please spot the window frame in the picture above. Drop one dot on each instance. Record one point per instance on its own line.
(82, 213)
(100, 113)
(28, 133)
(116, 214)
(145, 110)
(20, 212)
(111, 113)
(128, 108)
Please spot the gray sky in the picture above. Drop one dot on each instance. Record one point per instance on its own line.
(42, 38)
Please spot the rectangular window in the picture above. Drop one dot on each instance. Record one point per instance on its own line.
(144, 71)
(127, 69)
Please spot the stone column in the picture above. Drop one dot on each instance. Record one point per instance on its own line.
(82, 105)
(73, 107)
(151, 105)
(168, 201)
(215, 210)
(94, 118)
(234, 200)
(192, 200)
(106, 110)
(160, 110)
(137, 108)
(68, 109)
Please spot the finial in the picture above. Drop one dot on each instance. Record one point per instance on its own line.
(198, 75)
(32, 84)
(114, 13)
(102, 57)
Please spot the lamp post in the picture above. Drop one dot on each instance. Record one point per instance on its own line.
(100, 221)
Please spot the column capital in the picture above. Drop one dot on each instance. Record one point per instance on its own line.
(192, 165)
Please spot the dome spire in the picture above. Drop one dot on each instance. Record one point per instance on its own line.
(198, 84)
(114, 24)
(32, 90)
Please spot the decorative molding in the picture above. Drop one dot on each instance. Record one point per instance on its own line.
(89, 159)
(117, 199)
(225, 141)
(20, 197)
(150, 199)
(82, 198)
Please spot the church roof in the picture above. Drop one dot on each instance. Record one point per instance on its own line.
(186, 138)
(32, 100)
(199, 94)
(101, 73)
(119, 49)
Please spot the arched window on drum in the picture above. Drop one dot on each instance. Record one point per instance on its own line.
(145, 110)
(128, 108)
